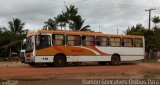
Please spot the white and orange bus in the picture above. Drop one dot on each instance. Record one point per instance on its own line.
(59, 47)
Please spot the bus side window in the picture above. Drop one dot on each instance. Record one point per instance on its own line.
(138, 42)
(88, 40)
(73, 40)
(83, 40)
(115, 41)
(101, 41)
(58, 39)
(127, 42)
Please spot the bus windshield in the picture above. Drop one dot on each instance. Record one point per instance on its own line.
(29, 44)
(23, 44)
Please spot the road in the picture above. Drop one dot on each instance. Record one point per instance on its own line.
(133, 70)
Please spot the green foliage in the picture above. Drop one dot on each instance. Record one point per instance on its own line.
(16, 26)
(50, 25)
(152, 37)
(9, 37)
(138, 30)
(69, 16)
(156, 19)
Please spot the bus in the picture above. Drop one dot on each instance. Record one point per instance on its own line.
(59, 47)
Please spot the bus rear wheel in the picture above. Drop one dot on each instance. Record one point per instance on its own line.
(59, 60)
(115, 60)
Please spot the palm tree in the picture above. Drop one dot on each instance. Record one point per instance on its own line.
(78, 23)
(156, 20)
(71, 16)
(3, 29)
(61, 19)
(50, 25)
(16, 26)
(10, 37)
(71, 11)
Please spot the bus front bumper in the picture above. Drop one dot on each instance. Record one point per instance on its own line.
(29, 60)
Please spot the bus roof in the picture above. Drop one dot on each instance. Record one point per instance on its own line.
(31, 33)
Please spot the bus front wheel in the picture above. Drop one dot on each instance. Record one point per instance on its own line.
(59, 60)
(115, 60)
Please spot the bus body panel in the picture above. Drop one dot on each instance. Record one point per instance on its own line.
(126, 53)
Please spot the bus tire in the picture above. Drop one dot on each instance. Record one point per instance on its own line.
(102, 63)
(115, 60)
(59, 60)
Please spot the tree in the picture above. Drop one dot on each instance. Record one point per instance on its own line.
(156, 20)
(135, 30)
(50, 25)
(157, 37)
(78, 23)
(15, 33)
(71, 17)
(7, 37)
(2, 29)
(16, 26)
(61, 20)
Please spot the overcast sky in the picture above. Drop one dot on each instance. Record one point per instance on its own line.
(108, 14)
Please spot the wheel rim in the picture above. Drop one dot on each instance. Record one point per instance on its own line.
(60, 61)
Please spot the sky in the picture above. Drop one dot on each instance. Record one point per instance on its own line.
(102, 15)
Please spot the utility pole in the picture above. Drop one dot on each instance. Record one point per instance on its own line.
(117, 31)
(149, 10)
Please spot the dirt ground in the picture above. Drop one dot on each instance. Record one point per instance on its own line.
(17, 70)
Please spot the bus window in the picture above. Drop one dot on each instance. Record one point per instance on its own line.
(101, 41)
(127, 42)
(58, 39)
(115, 42)
(73, 40)
(138, 42)
(88, 40)
(43, 41)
